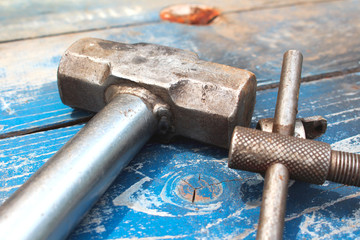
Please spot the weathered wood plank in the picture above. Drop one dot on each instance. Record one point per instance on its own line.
(28, 68)
(32, 109)
(148, 199)
(21, 157)
(336, 99)
(30, 19)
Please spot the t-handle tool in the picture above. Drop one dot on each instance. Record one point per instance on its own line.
(138, 89)
(303, 159)
(283, 157)
(273, 205)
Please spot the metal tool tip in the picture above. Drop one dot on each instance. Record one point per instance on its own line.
(293, 52)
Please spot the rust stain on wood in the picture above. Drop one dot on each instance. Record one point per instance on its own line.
(198, 189)
(191, 14)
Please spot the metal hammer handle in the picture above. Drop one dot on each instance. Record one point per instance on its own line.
(56, 197)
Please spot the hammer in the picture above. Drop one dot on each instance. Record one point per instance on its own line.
(138, 90)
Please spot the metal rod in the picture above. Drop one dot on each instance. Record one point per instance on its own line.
(56, 197)
(288, 94)
(273, 206)
(274, 195)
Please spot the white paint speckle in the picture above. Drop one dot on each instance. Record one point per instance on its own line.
(167, 174)
(140, 200)
(100, 229)
(313, 224)
(170, 147)
(326, 183)
(5, 106)
(351, 144)
(255, 181)
(154, 237)
(220, 220)
(321, 207)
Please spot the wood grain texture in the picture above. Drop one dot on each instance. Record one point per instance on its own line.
(21, 157)
(29, 100)
(31, 19)
(184, 190)
(336, 99)
(25, 111)
(150, 199)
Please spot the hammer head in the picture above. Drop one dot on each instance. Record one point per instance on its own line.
(206, 100)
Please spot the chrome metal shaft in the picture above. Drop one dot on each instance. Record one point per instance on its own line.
(288, 94)
(273, 205)
(274, 195)
(56, 197)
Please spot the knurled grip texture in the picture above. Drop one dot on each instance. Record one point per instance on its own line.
(254, 150)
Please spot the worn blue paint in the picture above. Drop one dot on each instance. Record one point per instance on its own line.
(22, 156)
(152, 196)
(238, 39)
(2, 73)
(336, 99)
(41, 107)
(146, 199)
(55, 60)
(22, 20)
(164, 165)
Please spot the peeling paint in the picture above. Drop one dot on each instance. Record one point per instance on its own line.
(154, 238)
(321, 207)
(144, 201)
(220, 220)
(351, 144)
(5, 106)
(100, 229)
(312, 224)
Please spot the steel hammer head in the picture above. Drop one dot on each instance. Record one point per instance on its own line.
(202, 100)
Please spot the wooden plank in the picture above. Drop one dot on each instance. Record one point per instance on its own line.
(149, 198)
(28, 68)
(30, 19)
(337, 99)
(25, 111)
(20, 157)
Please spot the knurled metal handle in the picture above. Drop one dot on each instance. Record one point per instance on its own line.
(307, 160)
(254, 150)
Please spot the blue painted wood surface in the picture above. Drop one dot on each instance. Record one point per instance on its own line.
(34, 18)
(153, 196)
(28, 68)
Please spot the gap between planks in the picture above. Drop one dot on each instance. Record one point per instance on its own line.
(251, 9)
(281, 5)
(317, 77)
(46, 128)
(313, 78)
(83, 31)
